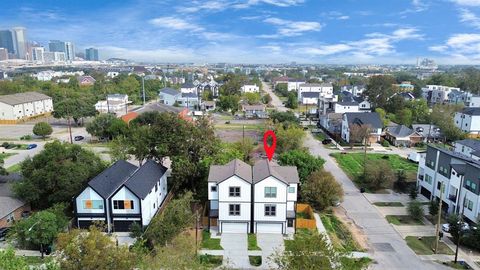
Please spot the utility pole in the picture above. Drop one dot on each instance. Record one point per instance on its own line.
(437, 228)
(143, 89)
(461, 225)
(68, 118)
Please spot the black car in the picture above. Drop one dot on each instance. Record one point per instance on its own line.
(3, 233)
(78, 138)
(327, 141)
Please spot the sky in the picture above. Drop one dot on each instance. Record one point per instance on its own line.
(258, 31)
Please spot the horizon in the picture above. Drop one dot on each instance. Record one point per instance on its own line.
(350, 32)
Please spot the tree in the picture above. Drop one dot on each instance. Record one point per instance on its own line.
(107, 126)
(266, 99)
(420, 110)
(306, 163)
(321, 190)
(442, 116)
(41, 229)
(378, 174)
(289, 138)
(292, 102)
(471, 81)
(174, 219)
(282, 89)
(401, 182)
(412, 193)
(79, 249)
(252, 98)
(433, 208)
(228, 103)
(56, 174)
(283, 117)
(42, 129)
(75, 108)
(446, 79)
(395, 103)
(379, 89)
(8, 260)
(359, 134)
(381, 112)
(245, 146)
(415, 210)
(455, 227)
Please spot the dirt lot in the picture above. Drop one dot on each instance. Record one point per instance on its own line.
(236, 135)
(357, 233)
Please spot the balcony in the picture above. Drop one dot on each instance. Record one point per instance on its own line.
(452, 197)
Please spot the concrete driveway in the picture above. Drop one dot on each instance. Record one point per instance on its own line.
(270, 243)
(235, 246)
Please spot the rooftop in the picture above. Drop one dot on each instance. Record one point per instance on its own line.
(474, 144)
(365, 118)
(21, 98)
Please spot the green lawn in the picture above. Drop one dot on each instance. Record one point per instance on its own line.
(252, 242)
(457, 265)
(33, 260)
(5, 155)
(320, 136)
(339, 234)
(426, 245)
(388, 204)
(403, 220)
(210, 243)
(255, 127)
(211, 261)
(255, 260)
(357, 264)
(14, 168)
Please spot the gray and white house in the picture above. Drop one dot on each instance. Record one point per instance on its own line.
(121, 195)
(258, 199)
(170, 96)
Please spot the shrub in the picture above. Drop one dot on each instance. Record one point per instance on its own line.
(413, 192)
(385, 143)
(433, 208)
(415, 210)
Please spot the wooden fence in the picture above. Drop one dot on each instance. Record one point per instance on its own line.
(305, 223)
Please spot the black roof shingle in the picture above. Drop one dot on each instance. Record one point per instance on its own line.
(108, 181)
(145, 178)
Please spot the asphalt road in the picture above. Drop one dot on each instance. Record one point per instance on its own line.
(276, 102)
(387, 247)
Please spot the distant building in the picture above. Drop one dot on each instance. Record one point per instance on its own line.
(370, 119)
(468, 120)
(401, 135)
(254, 111)
(404, 87)
(323, 90)
(114, 103)
(21, 106)
(19, 36)
(86, 80)
(3, 54)
(355, 90)
(38, 54)
(91, 54)
(294, 84)
(250, 88)
(54, 57)
(6, 41)
(171, 96)
(189, 88)
(60, 46)
(438, 93)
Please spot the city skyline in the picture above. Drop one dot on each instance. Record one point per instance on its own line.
(259, 31)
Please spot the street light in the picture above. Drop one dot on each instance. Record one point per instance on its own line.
(41, 244)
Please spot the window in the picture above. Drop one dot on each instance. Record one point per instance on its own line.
(10, 218)
(234, 209)
(270, 192)
(289, 223)
(439, 185)
(291, 190)
(470, 205)
(270, 210)
(213, 188)
(120, 204)
(234, 192)
(92, 204)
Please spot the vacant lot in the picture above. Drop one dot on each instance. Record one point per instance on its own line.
(425, 245)
(352, 163)
(403, 220)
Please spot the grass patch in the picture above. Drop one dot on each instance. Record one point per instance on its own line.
(288, 243)
(252, 242)
(14, 168)
(211, 261)
(320, 136)
(403, 220)
(255, 260)
(339, 234)
(388, 204)
(304, 215)
(249, 127)
(210, 243)
(33, 260)
(426, 245)
(5, 155)
(458, 265)
(356, 264)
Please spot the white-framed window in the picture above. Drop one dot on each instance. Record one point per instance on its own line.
(234, 191)
(270, 210)
(213, 188)
(270, 192)
(234, 209)
(92, 204)
(291, 189)
(123, 204)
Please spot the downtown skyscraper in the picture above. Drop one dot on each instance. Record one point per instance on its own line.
(61, 46)
(91, 54)
(6, 41)
(19, 35)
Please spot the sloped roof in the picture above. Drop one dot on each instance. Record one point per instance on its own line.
(189, 95)
(188, 85)
(471, 111)
(20, 98)
(264, 168)
(310, 94)
(145, 178)
(108, 181)
(219, 173)
(400, 131)
(365, 118)
(159, 107)
(459, 168)
(474, 144)
(348, 103)
(170, 91)
(8, 201)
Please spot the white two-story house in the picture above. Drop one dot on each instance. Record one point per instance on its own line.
(121, 195)
(468, 120)
(370, 119)
(249, 200)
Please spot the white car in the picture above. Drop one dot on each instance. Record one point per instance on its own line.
(446, 227)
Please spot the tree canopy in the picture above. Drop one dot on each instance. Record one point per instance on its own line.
(379, 90)
(321, 190)
(107, 126)
(303, 160)
(42, 129)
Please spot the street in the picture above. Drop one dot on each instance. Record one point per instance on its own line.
(276, 102)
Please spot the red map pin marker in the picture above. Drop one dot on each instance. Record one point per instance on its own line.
(270, 150)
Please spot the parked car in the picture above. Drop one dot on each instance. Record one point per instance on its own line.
(446, 227)
(31, 146)
(327, 141)
(414, 157)
(78, 138)
(3, 233)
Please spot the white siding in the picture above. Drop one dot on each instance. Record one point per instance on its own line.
(212, 195)
(6, 112)
(88, 194)
(279, 201)
(153, 201)
(339, 108)
(225, 200)
(122, 195)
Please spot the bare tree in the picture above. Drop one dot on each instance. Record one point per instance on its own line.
(360, 133)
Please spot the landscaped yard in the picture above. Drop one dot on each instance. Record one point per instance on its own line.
(252, 242)
(426, 245)
(5, 155)
(320, 136)
(211, 260)
(255, 127)
(388, 204)
(403, 220)
(357, 264)
(255, 260)
(339, 234)
(14, 168)
(210, 243)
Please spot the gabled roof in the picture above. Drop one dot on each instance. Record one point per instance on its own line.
(264, 168)
(255, 107)
(108, 181)
(145, 178)
(459, 168)
(365, 118)
(188, 85)
(310, 94)
(401, 131)
(474, 144)
(471, 111)
(170, 91)
(347, 103)
(21, 98)
(219, 173)
(159, 107)
(189, 95)
(8, 201)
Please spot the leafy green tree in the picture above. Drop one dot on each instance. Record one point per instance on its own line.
(289, 138)
(93, 249)
(75, 108)
(56, 174)
(266, 99)
(401, 182)
(445, 79)
(433, 208)
(252, 98)
(321, 190)
(404, 117)
(232, 84)
(455, 227)
(42, 129)
(306, 163)
(442, 116)
(395, 104)
(42, 228)
(292, 102)
(379, 89)
(8, 260)
(381, 112)
(283, 117)
(412, 193)
(420, 110)
(228, 103)
(107, 126)
(173, 220)
(378, 174)
(471, 80)
(245, 146)
(415, 210)
(282, 89)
